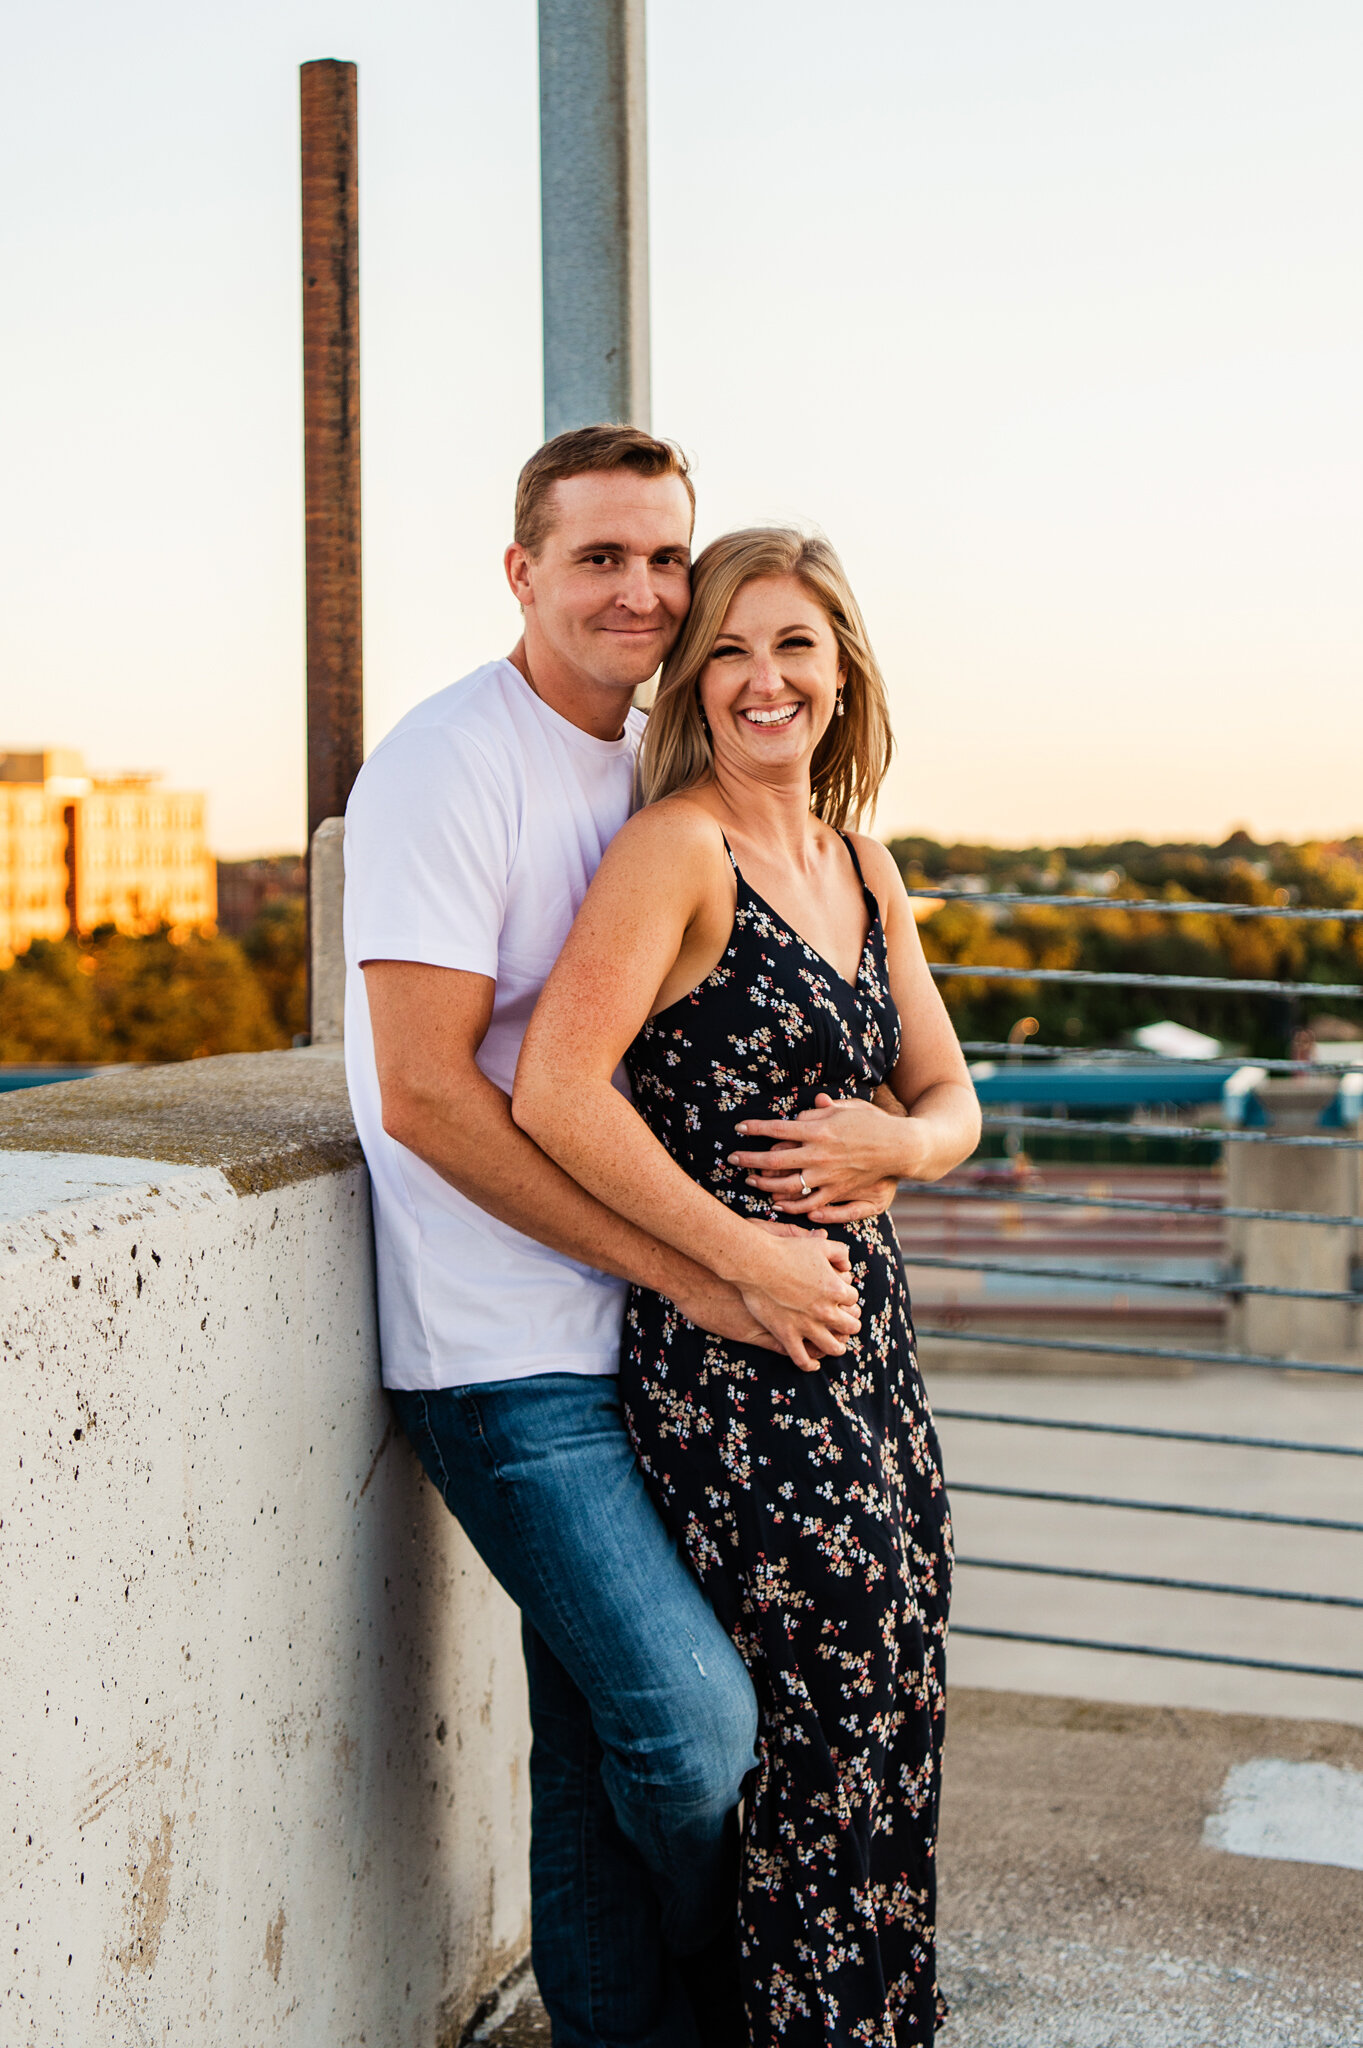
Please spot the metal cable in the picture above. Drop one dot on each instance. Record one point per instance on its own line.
(1014, 1635)
(1124, 1203)
(1255, 1361)
(1159, 1507)
(1171, 1436)
(1103, 979)
(1060, 1125)
(1157, 906)
(1078, 1571)
(948, 1262)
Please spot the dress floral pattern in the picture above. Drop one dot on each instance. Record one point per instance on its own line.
(813, 1510)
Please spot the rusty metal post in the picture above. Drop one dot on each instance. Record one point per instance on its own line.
(331, 434)
(331, 466)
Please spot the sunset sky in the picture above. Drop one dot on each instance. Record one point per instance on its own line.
(1048, 312)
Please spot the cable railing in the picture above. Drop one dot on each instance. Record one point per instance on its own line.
(1231, 1290)
(1124, 1205)
(1160, 906)
(1202, 1133)
(1163, 1354)
(947, 1262)
(1128, 978)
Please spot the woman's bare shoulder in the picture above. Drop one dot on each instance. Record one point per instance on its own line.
(677, 828)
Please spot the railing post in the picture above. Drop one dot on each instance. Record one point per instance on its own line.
(331, 438)
(1321, 1181)
(594, 210)
(326, 943)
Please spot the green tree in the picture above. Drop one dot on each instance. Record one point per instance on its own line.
(47, 1007)
(112, 998)
(164, 998)
(276, 946)
(1124, 940)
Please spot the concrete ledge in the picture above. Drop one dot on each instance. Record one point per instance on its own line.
(264, 1709)
(265, 1119)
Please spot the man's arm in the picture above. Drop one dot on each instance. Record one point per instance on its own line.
(428, 1023)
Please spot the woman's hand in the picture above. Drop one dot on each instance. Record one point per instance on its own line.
(836, 1163)
(802, 1293)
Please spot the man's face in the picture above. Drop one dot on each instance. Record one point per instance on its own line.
(608, 591)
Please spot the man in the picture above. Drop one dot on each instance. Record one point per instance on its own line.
(471, 836)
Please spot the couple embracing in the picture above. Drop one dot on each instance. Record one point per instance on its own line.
(652, 1342)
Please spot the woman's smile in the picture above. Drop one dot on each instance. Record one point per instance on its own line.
(773, 714)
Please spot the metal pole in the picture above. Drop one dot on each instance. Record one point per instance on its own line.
(594, 210)
(331, 434)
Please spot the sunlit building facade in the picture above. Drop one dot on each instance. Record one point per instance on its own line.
(80, 850)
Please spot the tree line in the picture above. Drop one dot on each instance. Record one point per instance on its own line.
(176, 996)
(162, 995)
(1314, 875)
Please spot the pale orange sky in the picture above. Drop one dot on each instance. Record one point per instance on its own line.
(1049, 315)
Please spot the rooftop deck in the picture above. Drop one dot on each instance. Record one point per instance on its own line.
(1081, 1906)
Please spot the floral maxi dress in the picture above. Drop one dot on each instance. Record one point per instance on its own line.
(812, 1508)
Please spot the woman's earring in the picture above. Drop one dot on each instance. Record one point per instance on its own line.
(838, 706)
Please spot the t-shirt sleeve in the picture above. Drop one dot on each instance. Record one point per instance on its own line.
(429, 839)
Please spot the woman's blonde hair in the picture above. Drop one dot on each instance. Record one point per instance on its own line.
(852, 756)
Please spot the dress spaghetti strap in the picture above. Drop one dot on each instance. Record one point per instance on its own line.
(847, 842)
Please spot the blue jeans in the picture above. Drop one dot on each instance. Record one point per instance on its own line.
(643, 1715)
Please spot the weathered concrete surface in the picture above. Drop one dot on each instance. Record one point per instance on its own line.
(1081, 1909)
(326, 939)
(526, 2027)
(266, 1119)
(263, 1710)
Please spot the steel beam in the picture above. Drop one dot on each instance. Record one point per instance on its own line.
(594, 211)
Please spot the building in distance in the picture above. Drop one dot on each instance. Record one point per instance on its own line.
(246, 887)
(78, 851)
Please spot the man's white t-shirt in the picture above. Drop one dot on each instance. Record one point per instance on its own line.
(471, 835)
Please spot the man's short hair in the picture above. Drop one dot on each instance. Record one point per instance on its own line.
(579, 452)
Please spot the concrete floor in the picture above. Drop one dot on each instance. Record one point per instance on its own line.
(1081, 1909)
(1236, 1402)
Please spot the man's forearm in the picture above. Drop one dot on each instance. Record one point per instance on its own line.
(474, 1144)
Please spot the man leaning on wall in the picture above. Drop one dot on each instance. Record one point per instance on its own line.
(471, 836)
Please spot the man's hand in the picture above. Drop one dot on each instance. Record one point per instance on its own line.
(804, 1294)
(838, 1162)
(713, 1305)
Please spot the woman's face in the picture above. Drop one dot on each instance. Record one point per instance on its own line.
(771, 683)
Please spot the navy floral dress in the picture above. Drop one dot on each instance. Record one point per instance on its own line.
(812, 1508)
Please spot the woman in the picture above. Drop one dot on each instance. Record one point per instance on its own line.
(758, 969)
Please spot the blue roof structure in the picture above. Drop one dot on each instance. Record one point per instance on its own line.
(1100, 1085)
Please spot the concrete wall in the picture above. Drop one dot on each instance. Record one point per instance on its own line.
(263, 1710)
